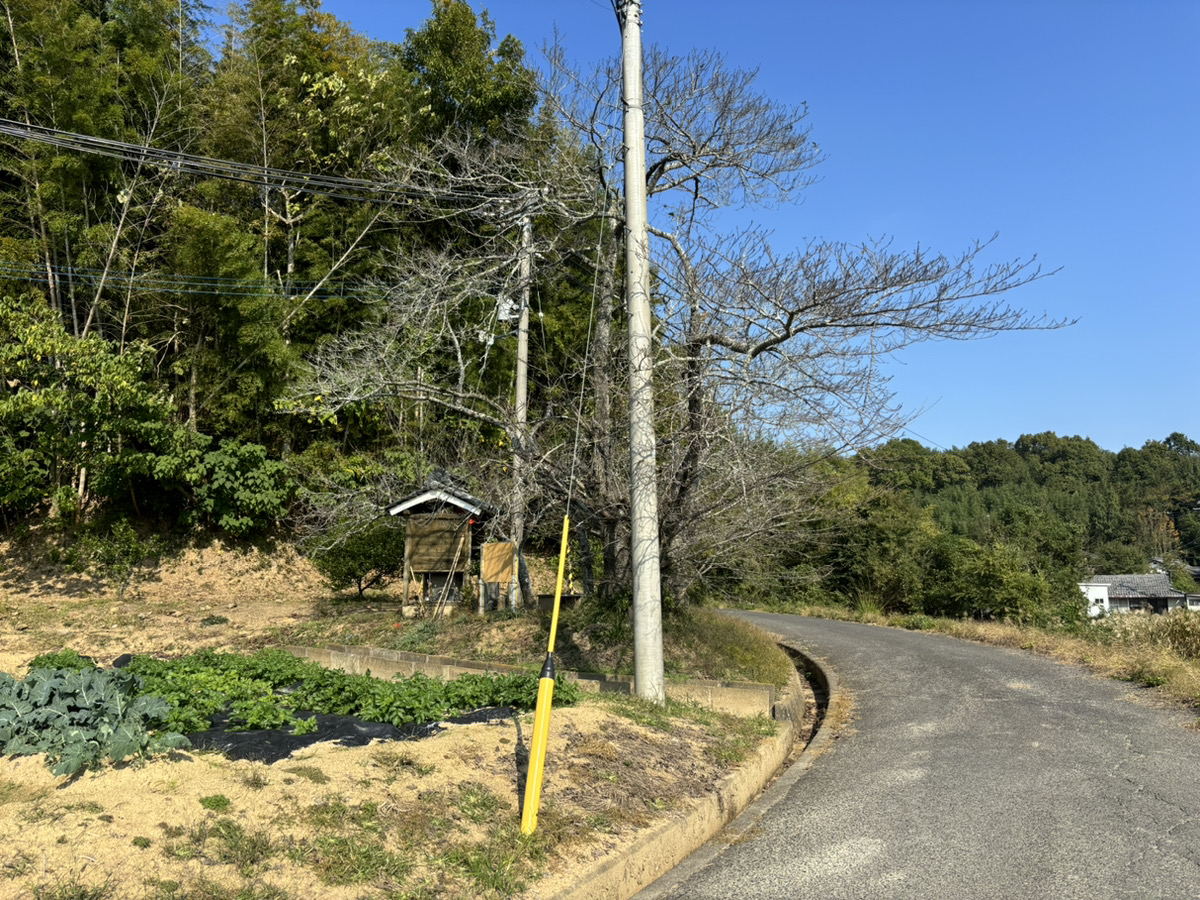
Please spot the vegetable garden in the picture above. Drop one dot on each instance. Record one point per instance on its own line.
(81, 716)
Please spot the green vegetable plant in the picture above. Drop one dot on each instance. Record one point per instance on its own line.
(80, 718)
(268, 689)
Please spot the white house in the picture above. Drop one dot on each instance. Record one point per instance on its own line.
(1129, 593)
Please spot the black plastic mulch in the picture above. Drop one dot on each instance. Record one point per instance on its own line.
(271, 745)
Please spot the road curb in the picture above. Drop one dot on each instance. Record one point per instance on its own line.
(663, 856)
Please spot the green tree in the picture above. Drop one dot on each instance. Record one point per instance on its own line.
(364, 558)
(878, 553)
(468, 81)
(71, 409)
(119, 71)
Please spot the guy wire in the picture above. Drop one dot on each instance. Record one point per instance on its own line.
(587, 351)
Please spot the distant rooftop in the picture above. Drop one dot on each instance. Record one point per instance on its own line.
(1136, 587)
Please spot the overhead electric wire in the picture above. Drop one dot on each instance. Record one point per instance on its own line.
(184, 284)
(338, 187)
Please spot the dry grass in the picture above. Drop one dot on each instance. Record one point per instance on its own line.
(1156, 651)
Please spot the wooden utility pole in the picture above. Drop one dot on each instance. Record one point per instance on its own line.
(647, 579)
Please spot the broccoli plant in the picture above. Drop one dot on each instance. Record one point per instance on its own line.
(80, 718)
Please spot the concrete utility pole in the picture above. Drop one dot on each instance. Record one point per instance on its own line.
(522, 398)
(647, 580)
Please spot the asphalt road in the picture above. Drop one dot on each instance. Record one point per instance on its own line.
(968, 772)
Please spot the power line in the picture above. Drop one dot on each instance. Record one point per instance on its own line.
(339, 187)
(183, 284)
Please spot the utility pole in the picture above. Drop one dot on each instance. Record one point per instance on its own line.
(647, 580)
(519, 448)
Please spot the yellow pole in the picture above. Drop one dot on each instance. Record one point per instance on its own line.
(545, 700)
(558, 587)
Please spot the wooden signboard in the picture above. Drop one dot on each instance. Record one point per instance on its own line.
(499, 563)
(438, 544)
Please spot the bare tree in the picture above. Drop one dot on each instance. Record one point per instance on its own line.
(762, 350)
(439, 344)
(768, 362)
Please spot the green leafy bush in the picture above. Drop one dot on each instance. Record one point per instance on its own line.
(240, 490)
(234, 487)
(79, 718)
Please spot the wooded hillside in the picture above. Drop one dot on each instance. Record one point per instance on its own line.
(275, 277)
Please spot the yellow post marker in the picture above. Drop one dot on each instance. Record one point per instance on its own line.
(545, 700)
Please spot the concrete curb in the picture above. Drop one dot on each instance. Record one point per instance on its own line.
(739, 698)
(663, 857)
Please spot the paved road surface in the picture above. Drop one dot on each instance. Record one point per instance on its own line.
(970, 773)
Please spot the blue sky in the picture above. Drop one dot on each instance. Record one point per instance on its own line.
(1071, 127)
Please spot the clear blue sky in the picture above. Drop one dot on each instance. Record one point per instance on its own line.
(1071, 127)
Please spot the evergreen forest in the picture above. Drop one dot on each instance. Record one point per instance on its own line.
(1006, 530)
(267, 274)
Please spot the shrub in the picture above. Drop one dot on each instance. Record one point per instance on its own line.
(240, 490)
(366, 558)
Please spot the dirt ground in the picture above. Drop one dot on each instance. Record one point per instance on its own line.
(154, 829)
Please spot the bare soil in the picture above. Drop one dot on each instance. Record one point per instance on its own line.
(445, 808)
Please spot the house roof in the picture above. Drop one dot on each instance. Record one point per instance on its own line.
(1136, 587)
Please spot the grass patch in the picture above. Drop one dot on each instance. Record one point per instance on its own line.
(11, 792)
(18, 865)
(501, 865)
(419, 638)
(216, 803)
(89, 806)
(339, 859)
(309, 773)
(399, 762)
(245, 850)
(697, 642)
(222, 841)
(642, 712)
(205, 889)
(333, 813)
(72, 889)
(477, 804)
(735, 736)
(711, 645)
(739, 737)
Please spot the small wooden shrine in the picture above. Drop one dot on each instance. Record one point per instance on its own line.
(441, 538)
